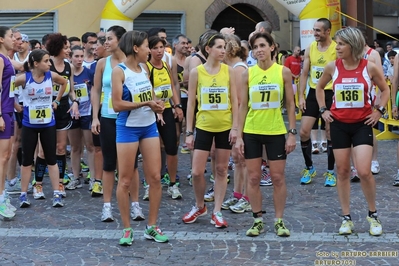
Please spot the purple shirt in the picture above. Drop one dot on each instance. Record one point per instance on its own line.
(7, 102)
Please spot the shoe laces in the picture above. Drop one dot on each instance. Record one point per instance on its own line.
(194, 209)
(280, 224)
(330, 176)
(257, 225)
(127, 232)
(219, 217)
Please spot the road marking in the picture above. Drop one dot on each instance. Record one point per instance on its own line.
(209, 236)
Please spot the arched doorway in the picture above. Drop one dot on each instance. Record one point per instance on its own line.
(231, 18)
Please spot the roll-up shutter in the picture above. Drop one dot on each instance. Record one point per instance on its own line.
(35, 28)
(172, 23)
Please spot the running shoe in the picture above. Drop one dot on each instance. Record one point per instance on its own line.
(12, 187)
(375, 225)
(87, 178)
(307, 175)
(354, 176)
(8, 203)
(231, 164)
(280, 228)
(331, 180)
(74, 184)
(97, 190)
(136, 213)
(38, 192)
(229, 202)
(218, 220)
(193, 215)
(212, 178)
(57, 200)
(61, 189)
(184, 149)
(174, 192)
(23, 201)
(210, 195)
(375, 167)
(257, 228)
(5, 212)
(396, 181)
(83, 166)
(106, 215)
(241, 206)
(154, 233)
(127, 237)
(165, 180)
(266, 179)
(146, 196)
(66, 179)
(315, 148)
(140, 157)
(346, 227)
(323, 146)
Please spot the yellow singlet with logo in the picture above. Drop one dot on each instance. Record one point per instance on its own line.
(318, 60)
(213, 94)
(161, 82)
(265, 97)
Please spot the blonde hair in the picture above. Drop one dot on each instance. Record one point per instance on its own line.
(233, 47)
(355, 39)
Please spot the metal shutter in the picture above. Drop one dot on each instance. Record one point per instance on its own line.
(171, 22)
(35, 28)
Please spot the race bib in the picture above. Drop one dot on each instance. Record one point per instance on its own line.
(163, 92)
(12, 87)
(110, 107)
(143, 96)
(316, 73)
(40, 114)
(349, 95)
(214, 98)
(56, 89)
(265, 97)
(82, 92)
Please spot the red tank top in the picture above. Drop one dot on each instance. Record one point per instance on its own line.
(351, 101)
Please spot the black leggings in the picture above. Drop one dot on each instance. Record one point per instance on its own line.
(168, 132)
(48, 139)
(108, 143)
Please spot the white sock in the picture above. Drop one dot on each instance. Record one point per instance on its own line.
(107, 204)
(13, 181)
(135, 204)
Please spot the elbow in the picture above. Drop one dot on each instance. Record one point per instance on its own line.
(116, 105)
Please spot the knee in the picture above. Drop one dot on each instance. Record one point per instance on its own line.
(154, 179)
(343, 172)
(97, 150)
(75, 148)
(5, 156)
(278, 180)
(253, 179)
(90, 148)
(124, 182)
(60, 148)
(304, 134)
(221, 171)
(364, 172)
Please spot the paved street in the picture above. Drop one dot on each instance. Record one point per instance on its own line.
(74, 235)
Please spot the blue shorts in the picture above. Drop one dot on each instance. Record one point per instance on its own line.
(84, 123)
(134, 134)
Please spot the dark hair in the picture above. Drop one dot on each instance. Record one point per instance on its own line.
(73, 39)
(189, 40)
(74, 48)
(209, 39)
(326, 23)
(154, 31)
(33, 43)
(118, 31)
(391, 53)
(101, 39)
(176, 40)
(45, 38)
(86, 35)
(154, 40)
(55, 43)
(130, 39)
(269, 39)
(3, 30)
(364, 33)
(302, 52)
(35, 56)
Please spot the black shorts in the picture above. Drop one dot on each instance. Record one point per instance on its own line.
(168, 132)
(312, 107)
(18, 118)
(183, 102)
(274, 144)
(63, 119)
(108, 143)
(204, 139)
(84, 123)
(345, 135)
(322, 124)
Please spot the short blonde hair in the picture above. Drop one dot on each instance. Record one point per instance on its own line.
(355, 39)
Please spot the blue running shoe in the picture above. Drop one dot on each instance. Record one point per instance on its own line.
(331, 180)
(307, 175)
(23, 201)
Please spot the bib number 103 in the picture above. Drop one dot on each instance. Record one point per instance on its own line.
(145, 96)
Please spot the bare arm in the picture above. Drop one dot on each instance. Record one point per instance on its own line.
(378, 78)
(96, 88)
(1, 78)
(233, 98)
(242, 111)
(192, 94)
(394, 89)
(321, 84)
(305, 73)
(290, 104)
(175, 82)
(17, 65)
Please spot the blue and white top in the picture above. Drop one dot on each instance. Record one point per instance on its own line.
(37, 101)
(137, 88)
(83, 84)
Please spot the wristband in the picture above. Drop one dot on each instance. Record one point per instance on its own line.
(76, 101)
(57, 102)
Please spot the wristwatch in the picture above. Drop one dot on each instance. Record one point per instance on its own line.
(382, 110)
(322, 109)
(293, 131)
(189, 133)
(178, 106)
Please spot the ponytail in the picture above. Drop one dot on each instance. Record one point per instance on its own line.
(26, 66)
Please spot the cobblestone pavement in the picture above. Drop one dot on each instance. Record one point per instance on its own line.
(74, 235)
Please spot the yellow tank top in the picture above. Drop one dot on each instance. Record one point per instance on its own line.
(213, 95)
(265, 98)
(160, 80)
(318, 60)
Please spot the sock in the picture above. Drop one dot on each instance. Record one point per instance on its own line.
(24, 193)
(135, 203)
(276, 219)
(307, 152)
(61, 162)
(149, 226)
(171, 184)
(98, 181)
(40, 169)
(107, 204)
(257, 214)
(330, 171)
(13, 181)
(19, 156)
(373, 214)
(347, 217)
(330, 156)
(237, 195)
(246, 198)
(56, 192)
(163, 162)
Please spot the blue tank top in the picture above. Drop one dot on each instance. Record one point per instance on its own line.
(37, 100)
(106, 108)
(83, 84)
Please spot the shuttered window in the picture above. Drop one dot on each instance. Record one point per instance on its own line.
(171, 22)
(35, 28)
